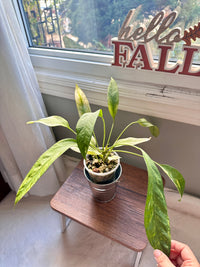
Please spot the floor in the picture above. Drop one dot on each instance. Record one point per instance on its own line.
(30, 236)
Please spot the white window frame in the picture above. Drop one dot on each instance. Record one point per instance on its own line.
(164, 95)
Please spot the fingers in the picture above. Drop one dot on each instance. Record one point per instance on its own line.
(180, 255)
(178, 248)
(162, 259)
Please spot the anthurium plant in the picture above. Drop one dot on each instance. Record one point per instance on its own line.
(156, 219)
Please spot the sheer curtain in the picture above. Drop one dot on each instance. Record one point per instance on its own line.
(21, 101)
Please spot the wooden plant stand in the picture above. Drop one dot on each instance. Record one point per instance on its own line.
(121, 219)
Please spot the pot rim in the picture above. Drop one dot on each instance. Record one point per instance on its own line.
(101, 174)
(103, 184)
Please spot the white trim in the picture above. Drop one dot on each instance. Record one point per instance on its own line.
(19, 18)
(61, 53)
(163, 95)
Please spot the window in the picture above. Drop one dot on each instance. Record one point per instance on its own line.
(78, 36)
(90, 25)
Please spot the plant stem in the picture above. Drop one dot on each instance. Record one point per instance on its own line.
(110, 133)
(95, 148)
(142, 156)
(95, 138)
(104, 132)
(129, 152)
(135, 154)
(111, 148)
(73, 131)
(126, 129)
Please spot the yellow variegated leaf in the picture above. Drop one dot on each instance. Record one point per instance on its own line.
(82, 102)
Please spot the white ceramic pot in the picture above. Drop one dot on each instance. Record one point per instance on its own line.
(102, 177)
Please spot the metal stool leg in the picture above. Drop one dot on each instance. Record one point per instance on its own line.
(65, 222)
(137, 259)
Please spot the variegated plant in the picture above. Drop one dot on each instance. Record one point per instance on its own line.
(156, 219)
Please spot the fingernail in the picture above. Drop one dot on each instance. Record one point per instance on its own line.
(157, 253)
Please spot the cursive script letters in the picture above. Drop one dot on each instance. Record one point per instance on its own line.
(160, 22)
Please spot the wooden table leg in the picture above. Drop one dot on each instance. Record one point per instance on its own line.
(137, 259)
(65, 222)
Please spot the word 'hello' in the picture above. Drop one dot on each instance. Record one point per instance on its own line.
(128, 54)
(140, 33)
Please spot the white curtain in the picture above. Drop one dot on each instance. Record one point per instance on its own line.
(21, 101)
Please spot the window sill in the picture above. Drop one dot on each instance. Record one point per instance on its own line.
(168, 96)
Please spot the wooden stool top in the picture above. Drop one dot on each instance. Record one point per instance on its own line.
(121, 219)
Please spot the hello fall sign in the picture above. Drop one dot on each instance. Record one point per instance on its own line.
(131, 48)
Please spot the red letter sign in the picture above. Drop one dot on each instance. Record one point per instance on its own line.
(164, 59)
(121, 51)
(188, 61)
(140, 54)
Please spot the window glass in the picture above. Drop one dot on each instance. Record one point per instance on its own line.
(89, 25)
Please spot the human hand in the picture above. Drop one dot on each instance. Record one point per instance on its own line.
(180, 256)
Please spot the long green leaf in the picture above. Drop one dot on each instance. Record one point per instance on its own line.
(156, 220)
(130, 141)
(175, 176)
(91, 150)
(82, 102)
(52, 121)
(42, 164)
(113, 98)
(84, 129)
(153, 128)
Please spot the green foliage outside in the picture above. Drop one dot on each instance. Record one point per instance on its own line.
(101, 18)
(69, 43)
(92, 24)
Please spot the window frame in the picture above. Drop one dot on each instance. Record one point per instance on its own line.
(164, 95)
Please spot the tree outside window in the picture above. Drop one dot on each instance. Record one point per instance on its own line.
(89, 25)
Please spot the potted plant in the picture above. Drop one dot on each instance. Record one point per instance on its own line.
(102, 158)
